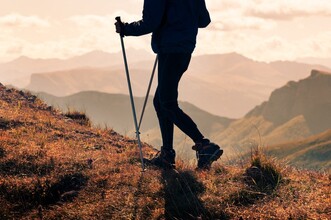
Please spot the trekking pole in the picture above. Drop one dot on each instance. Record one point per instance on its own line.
(147, 93)
(118, 19)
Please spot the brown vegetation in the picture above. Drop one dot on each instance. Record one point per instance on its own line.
(53, 167)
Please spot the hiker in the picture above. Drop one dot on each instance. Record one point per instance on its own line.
(174, 26)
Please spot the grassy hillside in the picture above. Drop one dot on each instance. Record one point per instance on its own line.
(313, 152)
(114, 111)
(57, 167)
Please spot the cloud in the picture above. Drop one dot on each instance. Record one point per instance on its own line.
(92, 21)
(319, 45)
(14, 49)
(276, 10)
(233, 22)
(10, 47)
(262, 29)
(241, 15)
(265, 48)
(98, 21)
(21, 21)
(290, 9)
(230, 16)
(70, 37)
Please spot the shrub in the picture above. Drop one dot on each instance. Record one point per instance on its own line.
(264, 173)
(79, 117)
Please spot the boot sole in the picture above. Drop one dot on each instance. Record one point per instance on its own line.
(214, 157)
(218, 153)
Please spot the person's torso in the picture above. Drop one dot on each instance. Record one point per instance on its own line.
(179, 27)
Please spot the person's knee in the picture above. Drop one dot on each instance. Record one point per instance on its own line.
(169, 108)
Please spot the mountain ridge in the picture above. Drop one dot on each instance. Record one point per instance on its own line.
(314, 60)
(293, 113)
(18, 71)
(226, 80)
(300, 98)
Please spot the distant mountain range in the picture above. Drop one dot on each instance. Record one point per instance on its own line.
(312, 60)
(226, 84)
(19, 71)
(293, 112)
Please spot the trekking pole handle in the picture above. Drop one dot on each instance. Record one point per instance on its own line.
(118, 19)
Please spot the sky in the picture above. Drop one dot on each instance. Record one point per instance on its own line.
(264, 30)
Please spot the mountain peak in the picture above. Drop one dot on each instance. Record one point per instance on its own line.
(235, 54)
(22, 59)
(316, 72)
(309, 97)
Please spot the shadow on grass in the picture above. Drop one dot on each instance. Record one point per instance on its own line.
(26, 197)
(181, 194)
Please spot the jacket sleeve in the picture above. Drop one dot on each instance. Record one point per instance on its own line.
(204, 18)
(152, 17)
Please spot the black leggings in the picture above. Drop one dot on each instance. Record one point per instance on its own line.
(170, 70)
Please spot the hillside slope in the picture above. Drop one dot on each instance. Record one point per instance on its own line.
(294, 111)
(309, 97)
(58, 167)
(312, 153)
(114, 111)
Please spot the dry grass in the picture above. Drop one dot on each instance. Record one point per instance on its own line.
(55, 167)
(79, 117)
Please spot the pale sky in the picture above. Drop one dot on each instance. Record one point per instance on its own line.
(264, 30)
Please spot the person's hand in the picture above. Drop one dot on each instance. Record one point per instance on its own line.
(119, 27)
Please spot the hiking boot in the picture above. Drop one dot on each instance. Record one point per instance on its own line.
(207, 152)
(164, 159)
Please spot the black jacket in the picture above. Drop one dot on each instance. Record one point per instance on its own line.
(174, 24)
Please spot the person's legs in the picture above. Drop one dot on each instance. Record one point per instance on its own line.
(171, 68)
(166, 126)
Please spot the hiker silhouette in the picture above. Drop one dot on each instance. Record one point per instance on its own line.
(174, 26)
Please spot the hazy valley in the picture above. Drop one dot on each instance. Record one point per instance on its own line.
(232, 83)
(293, 112)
